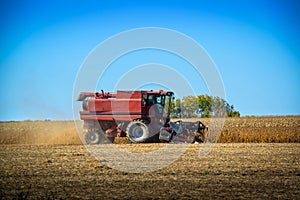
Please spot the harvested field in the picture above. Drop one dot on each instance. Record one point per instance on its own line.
(46, 160)
(230, 171)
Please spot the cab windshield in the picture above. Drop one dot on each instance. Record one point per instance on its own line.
(155, 99)
(162, 100)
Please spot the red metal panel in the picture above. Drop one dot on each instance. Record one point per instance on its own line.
(110, 117)
(100, 105)
(126, 106)
(115, 105)
(123, 106)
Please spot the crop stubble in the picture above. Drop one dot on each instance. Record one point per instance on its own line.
(237, 170)
(46, 160)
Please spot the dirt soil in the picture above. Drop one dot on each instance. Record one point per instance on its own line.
(230, 171)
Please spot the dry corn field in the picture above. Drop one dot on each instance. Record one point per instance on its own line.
(244, 129)
(255, 158)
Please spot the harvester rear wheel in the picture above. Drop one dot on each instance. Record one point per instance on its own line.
(98, 137)
(138, 131)
(92, 138)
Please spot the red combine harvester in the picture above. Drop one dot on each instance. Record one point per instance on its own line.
(142, 116)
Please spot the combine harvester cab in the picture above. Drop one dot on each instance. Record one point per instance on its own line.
(142, 116)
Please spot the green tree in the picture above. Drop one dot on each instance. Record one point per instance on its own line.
(190, 106)
(203, 105)
(215, 106)
(175, 109)
(235, 114)
(219, 106)
(172, 107)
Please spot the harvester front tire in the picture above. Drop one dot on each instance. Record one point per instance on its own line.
(138, 131)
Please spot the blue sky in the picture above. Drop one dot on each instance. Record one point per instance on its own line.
(255, 45)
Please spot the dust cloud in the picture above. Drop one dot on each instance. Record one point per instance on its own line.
(39, 132)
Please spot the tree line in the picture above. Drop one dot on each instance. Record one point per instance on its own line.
(202, 106)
